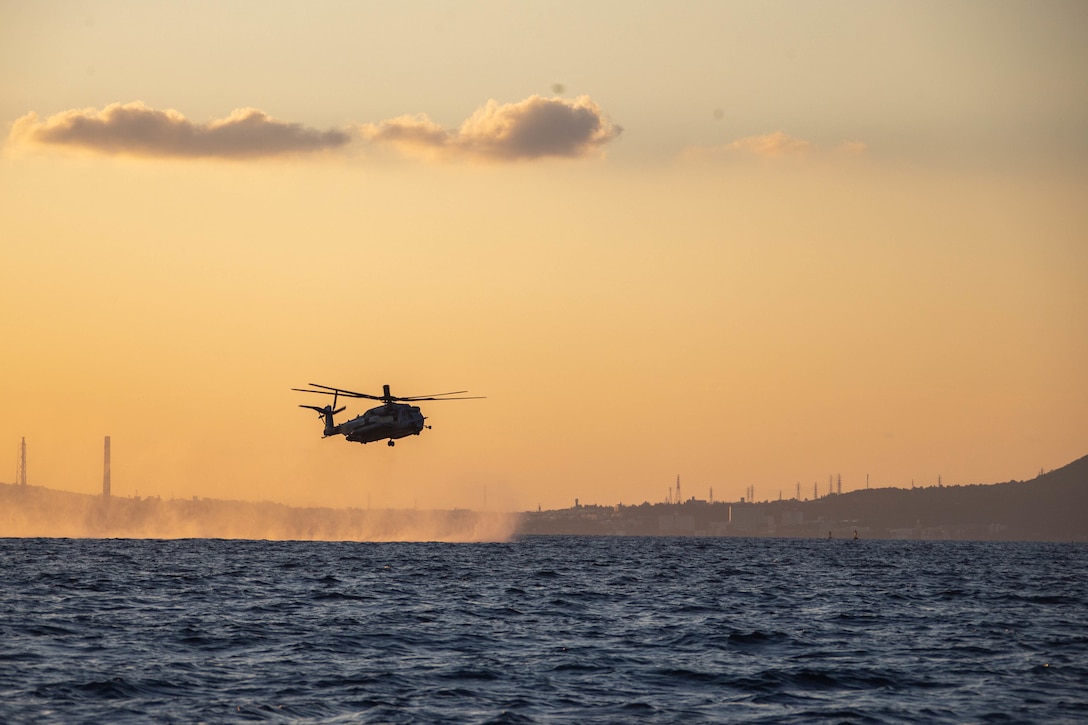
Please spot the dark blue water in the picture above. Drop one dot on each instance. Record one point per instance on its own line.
(543, 630)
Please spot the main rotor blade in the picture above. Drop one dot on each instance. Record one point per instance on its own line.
(329, 390)
(318, 385)
(434, 397)
(431, 396)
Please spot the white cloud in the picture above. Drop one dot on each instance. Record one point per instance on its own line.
(776, 145)
(135, 129)
(535, 128)
(771, 145)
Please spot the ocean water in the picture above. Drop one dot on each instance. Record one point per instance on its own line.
(543, 630)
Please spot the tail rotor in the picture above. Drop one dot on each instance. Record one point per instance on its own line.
(326, 414)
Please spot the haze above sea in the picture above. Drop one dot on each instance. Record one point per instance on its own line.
(543, 630)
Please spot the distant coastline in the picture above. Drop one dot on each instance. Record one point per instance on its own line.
(1051, 507)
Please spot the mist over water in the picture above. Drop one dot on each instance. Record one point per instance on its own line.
(543, 630)
(35, 512)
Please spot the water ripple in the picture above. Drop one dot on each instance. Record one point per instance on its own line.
(544, 630)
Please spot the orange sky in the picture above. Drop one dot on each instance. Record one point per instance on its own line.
(750, 245)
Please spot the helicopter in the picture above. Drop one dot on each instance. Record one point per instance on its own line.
(392, 419)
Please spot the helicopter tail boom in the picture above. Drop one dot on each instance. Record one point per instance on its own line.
(327, 414)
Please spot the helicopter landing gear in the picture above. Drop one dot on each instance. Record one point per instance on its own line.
(391, 443)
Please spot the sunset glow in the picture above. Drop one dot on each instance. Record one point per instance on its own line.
(752, 244)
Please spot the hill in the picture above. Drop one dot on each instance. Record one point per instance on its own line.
(1051, 507)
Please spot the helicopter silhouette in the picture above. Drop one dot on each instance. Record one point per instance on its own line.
(394, 418)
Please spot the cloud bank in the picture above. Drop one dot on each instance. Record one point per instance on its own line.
(134, 129)
(535, 128)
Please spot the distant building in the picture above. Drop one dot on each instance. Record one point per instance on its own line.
(676, 524)
(747, 517)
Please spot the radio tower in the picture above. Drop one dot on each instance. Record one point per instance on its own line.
(678, 499)
(20, 465)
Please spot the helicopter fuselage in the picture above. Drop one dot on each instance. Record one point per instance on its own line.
(388, 421)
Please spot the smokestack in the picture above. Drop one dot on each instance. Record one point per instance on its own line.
(20, 469)
(106, 471)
